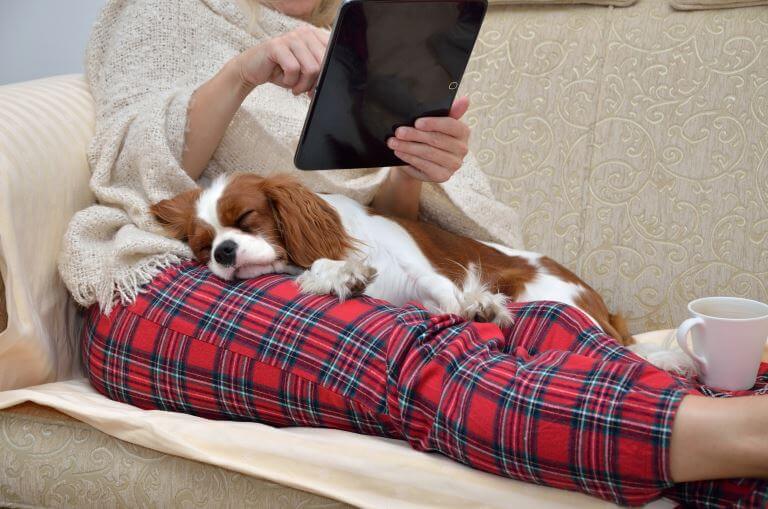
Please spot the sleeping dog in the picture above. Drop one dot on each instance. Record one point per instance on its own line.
(245, 225)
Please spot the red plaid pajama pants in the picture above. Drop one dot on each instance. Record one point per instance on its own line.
(549, 400)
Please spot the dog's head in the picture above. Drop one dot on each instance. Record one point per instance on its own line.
(245, 225)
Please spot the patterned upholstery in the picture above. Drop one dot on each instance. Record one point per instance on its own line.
(52, 460)
(696, 5)
(634, 144)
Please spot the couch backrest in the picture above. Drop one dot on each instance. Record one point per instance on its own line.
(634, 143)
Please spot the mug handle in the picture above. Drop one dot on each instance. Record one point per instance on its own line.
(682, 340)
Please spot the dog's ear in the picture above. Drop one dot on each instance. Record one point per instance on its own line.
(176, 214)
(309, 227)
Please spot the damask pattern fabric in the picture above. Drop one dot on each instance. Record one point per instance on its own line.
(634, 145)
(49, 461)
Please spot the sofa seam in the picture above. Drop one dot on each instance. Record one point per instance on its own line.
(604, 38)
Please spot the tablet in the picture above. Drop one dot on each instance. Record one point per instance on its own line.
(388, 62)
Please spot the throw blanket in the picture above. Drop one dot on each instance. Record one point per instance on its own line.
(144, 60)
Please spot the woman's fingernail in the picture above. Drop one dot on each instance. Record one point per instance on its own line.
(401, 131)
(392, 143)
(419, 123)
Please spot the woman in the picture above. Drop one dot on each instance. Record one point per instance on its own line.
(189, 89)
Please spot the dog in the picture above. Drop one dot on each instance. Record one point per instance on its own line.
(245, 225)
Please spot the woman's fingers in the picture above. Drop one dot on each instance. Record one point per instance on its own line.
(289, 67)
(298, 56)
(459, 107)
(448, 160)
(436, 146)
(434, 138)
(447, 125)
(450, 125)
(322, 37)
(310, 67)
(433, 172)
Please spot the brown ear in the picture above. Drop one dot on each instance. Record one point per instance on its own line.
(310, 228)
(176, 214)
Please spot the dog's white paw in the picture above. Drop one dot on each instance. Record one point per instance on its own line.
(480, 304)
(342, 278)
(666, 358)
(486, 307)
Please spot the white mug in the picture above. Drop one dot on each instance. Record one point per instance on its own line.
(729, 335)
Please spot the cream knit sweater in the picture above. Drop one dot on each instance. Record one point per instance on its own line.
(143, 62)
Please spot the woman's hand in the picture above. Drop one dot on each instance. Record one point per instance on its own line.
(435, 147)
(434, 150)
(292, 60)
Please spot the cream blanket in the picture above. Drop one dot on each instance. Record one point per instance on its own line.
(144, 60)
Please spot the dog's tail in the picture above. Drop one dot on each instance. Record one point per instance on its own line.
(617, 328)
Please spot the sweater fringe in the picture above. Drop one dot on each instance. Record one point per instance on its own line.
(123, 290)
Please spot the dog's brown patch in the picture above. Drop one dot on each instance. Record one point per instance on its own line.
(451, 254)
(592, 303)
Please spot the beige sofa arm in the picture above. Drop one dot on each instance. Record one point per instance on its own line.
(45, 128)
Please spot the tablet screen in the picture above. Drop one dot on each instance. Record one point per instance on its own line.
(388, 63)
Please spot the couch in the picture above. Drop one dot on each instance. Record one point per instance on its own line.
(633, 142)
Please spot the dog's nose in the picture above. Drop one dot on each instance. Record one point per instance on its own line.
(225, 253)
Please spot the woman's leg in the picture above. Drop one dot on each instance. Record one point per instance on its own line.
(725, 439)
(712, 438)
(720, 438)
(542, 325)
(257, 350)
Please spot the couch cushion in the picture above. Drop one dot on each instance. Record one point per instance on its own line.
(697, 5)
(52, 460)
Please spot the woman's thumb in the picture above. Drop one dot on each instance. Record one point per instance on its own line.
(459, 107)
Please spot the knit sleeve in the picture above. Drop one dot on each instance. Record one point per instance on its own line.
(142, 75)
(466, 204)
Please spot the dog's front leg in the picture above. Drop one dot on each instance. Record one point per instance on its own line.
(342, 278)
(473, 300)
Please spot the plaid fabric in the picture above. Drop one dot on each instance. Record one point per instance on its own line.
(549, 400)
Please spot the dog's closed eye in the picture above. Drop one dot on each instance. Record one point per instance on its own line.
(241, 222)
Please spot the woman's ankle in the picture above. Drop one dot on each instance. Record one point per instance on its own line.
(753, 447)
(716, 438)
